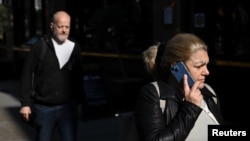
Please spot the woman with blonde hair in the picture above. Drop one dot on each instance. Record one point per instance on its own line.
(188, 110)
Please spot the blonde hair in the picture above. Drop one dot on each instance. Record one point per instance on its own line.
(149, 56)
(178, 48)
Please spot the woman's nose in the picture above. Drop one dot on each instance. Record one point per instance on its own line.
(206, 71)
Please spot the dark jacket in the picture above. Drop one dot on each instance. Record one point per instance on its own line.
(179, 116)
(52, 85)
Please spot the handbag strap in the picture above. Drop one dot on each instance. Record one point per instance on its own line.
(212, 91)
(162, 102)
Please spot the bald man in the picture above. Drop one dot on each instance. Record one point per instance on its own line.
(51, 84)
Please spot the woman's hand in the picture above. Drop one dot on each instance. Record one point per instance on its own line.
(192, 94)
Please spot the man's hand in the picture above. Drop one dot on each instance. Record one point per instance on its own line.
(25, 111)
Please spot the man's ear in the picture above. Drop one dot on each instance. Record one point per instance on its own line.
(51, 26)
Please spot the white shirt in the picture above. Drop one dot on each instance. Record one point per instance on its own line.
(63, 51)
(200, 129)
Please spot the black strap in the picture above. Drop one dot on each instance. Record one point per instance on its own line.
(43, 50)
(213, 106)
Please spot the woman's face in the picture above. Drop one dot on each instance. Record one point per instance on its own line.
(197, 65)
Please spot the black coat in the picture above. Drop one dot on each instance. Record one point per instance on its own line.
(53, 85)
(179, 116)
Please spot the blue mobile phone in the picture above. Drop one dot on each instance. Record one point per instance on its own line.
(178, 70)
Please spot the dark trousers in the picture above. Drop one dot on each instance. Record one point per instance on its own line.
(61, 117)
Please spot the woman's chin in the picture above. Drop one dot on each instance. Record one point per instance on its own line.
(201, 85)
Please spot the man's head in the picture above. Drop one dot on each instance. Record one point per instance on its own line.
(60, 26)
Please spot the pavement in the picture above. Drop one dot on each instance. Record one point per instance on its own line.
(12, 128)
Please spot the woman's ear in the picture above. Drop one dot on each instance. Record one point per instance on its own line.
(173, 63)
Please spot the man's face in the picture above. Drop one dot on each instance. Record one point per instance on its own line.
(61, 28)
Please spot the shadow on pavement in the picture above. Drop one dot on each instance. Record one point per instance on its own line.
(94, 128)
